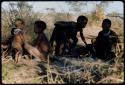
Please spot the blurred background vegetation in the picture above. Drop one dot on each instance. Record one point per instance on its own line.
(24, 10)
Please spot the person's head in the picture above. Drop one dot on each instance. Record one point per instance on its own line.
(106, 24)
(39, 26)
(19, 23)
(82, 21)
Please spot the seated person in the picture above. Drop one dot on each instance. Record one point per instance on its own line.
(105, 43)
(10, 41)
(41, 42)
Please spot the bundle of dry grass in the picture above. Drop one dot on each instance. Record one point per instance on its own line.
(64, 70)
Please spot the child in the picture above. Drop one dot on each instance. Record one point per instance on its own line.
(41, 42)
(15, 40)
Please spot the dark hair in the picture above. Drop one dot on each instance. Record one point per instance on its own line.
(107, 21)
(19, 19)
(82, 18)
(40, 24)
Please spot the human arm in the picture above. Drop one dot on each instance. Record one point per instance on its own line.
(52, 37)
(82, 37)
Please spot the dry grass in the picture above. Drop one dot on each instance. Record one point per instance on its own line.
(63, 70)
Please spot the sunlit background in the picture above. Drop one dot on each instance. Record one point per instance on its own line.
(77, 70)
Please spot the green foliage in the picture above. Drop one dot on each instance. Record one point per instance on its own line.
(4, 73)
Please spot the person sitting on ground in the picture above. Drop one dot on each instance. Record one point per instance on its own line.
(41, 42)
(18, 29)
(106, 42)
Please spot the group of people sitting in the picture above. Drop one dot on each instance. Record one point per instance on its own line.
(65, 36)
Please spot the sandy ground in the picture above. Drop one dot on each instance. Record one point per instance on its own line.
(89, 33)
